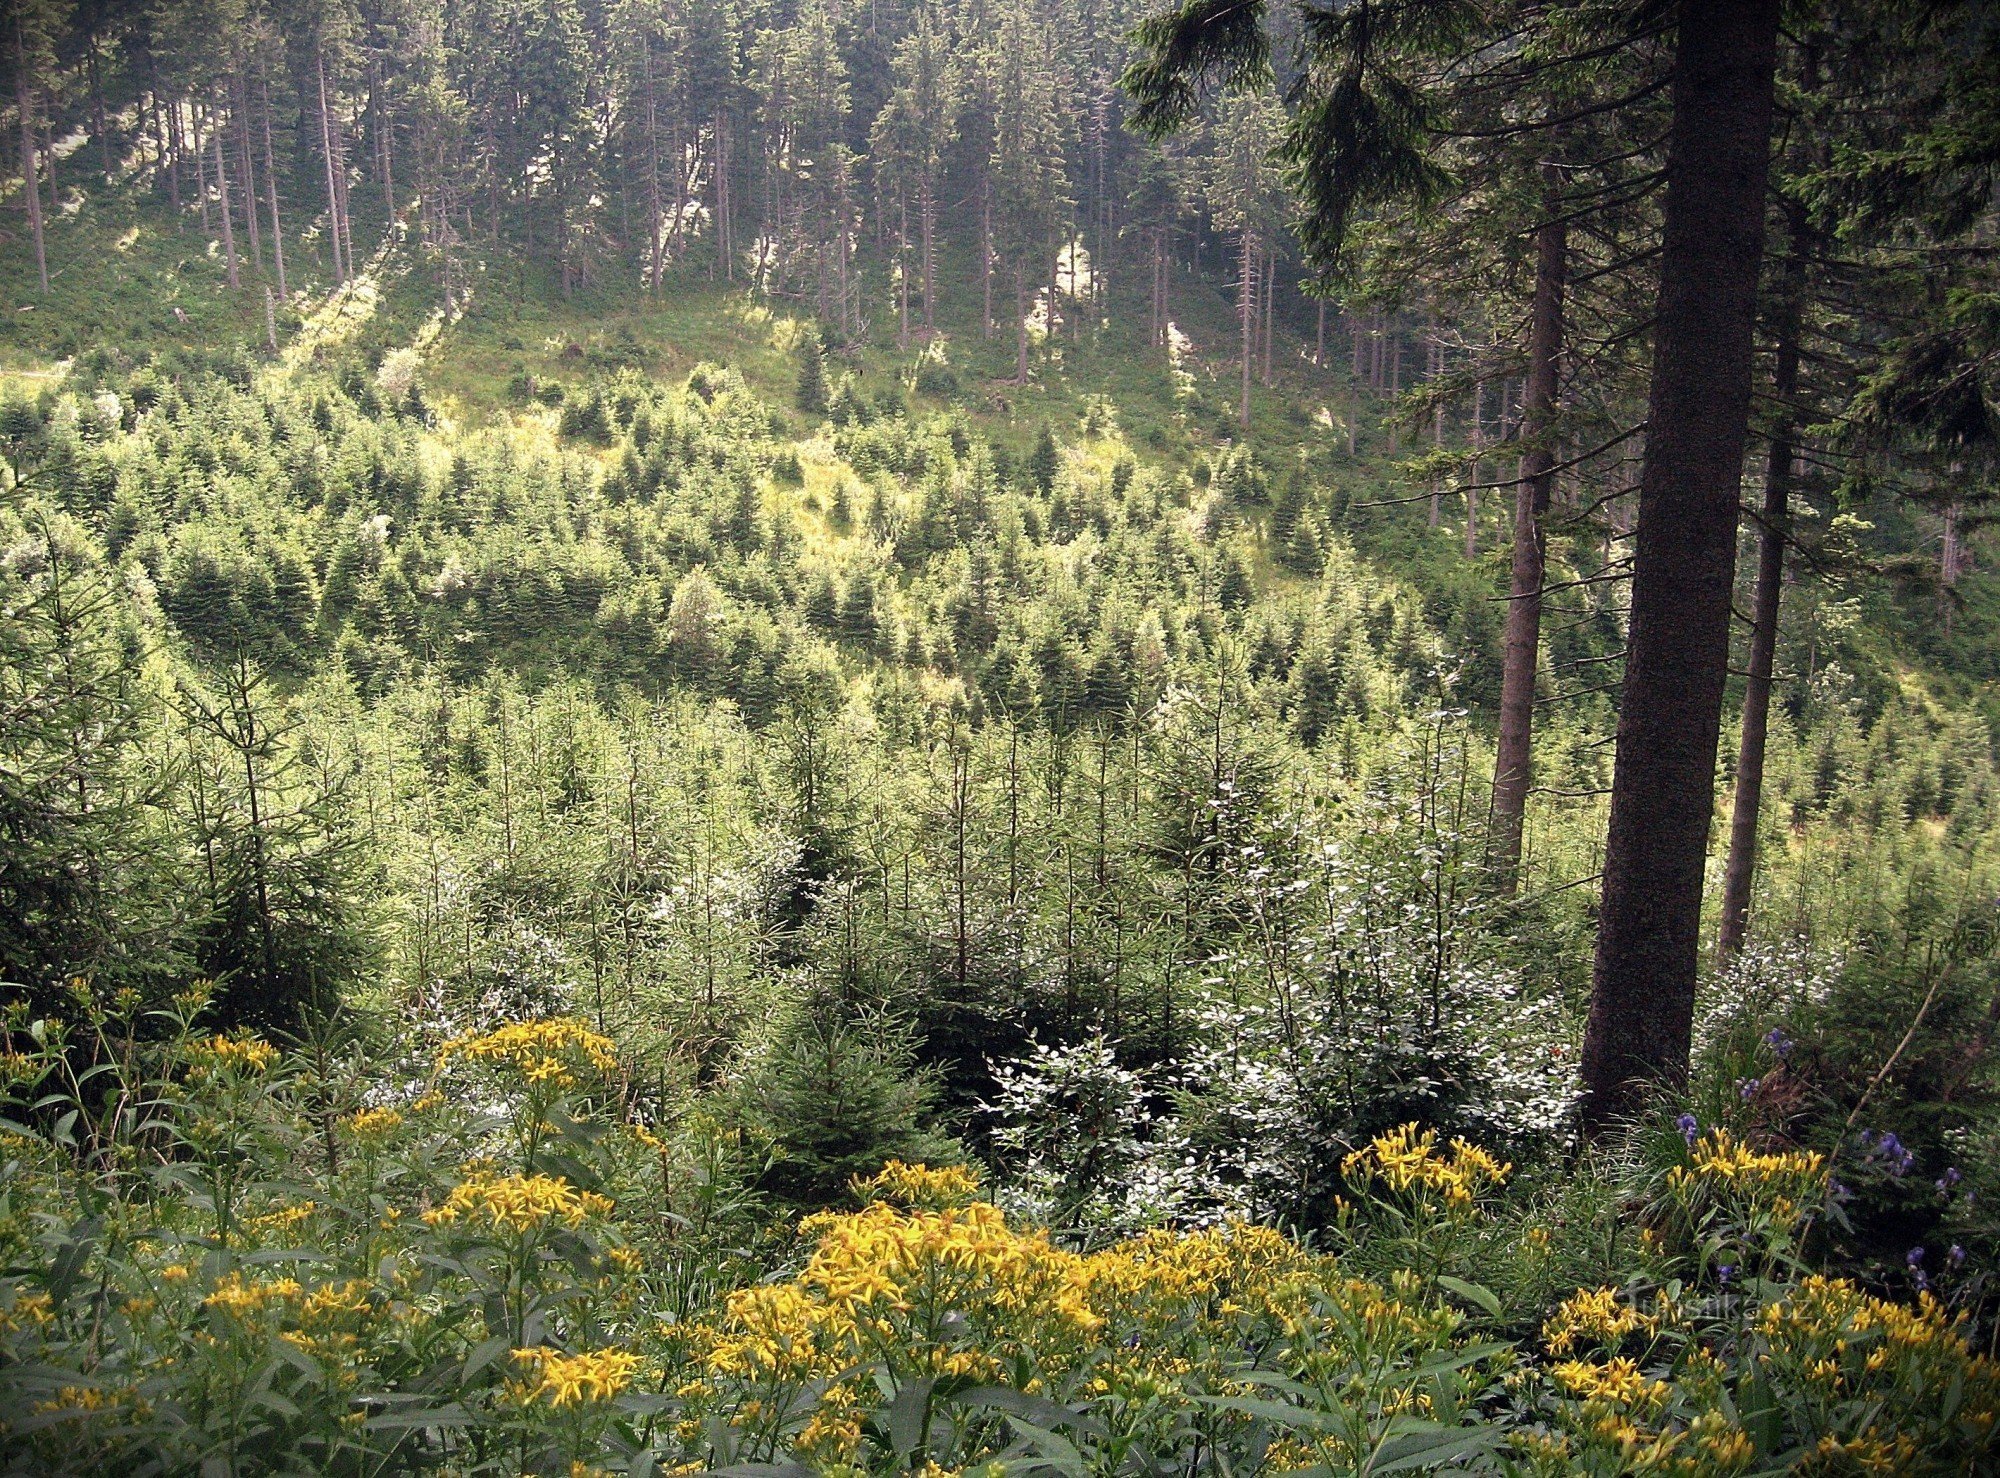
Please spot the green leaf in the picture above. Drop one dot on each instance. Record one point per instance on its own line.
(1430, 1444)
(1037, 1409)
(1459, 1358)
(1280, 1413)
(1472, 1293)
(1057, 1450)
(482, 1355)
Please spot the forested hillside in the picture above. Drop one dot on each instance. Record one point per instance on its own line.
(1027, 735)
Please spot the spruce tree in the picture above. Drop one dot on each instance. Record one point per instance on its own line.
(810, 394)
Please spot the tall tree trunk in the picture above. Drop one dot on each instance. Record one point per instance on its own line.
(222, 195)
(200, 165)
(239, 110)
(1747, 803)
(98, 124)
(927, 222)
(1433, 368)
(1394, 352)
(1270, 310)
(386, 126)
(1513, 761)
(1020, 326)
(271, 184)
(986, 247)
(169, 166)
(169, 113)
(725, 229)
(1670, 716)
(340, 265)
(1246, 316)
(31, 174)
(340, 177)
(902, 270)
(656, 225)
(1472, 483)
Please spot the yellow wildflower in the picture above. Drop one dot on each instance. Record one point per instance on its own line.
(242, 1297)
(371, 1124)
(1407, 1159)
(920, 1185)
(517, 1203)
(549, 1051)
(572, 1380)
(242, 1055)
(1595, 1314)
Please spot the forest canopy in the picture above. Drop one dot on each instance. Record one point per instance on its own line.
(1024, 736)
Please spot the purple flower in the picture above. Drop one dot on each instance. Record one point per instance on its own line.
(1914, 1257)
(1839, 1191)
(1689, 1127)
(1950, 1178)
(1920, 1280)
(1956, 1257)
(1746, 1088)
(1724, 1271)
(1778, 1042)
(1889, 1149)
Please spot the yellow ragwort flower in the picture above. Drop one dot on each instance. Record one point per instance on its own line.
(549, 1051)
(561, 1380)
(516, 1203)
(1407, 1159)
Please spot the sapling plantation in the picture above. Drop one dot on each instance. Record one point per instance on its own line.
(1075, 737)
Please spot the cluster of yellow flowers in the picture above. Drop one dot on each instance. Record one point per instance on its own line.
(551, 1051)
(930, 1189)
(241, 1055)
(882, 1281)
(1828, 1349)
(371, 1125)
(1616, 1382)
(244, 1298)
(1866, 1452)
(1710, 1444)
(516, 1203)
(957, 1292)
(1843, 1340)
(88, 1401)
(583, 1379)
(1230, 1267)
(332, 1321)
(1784, 1180)
(1407, 1159)
(1600, 1316)
(283, 1219)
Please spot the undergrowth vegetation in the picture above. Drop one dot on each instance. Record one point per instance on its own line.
(488, 1264)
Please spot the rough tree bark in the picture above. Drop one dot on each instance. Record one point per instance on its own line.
(340, 266)
(1670, 715)
(222, 195)
(271, 185)
(1748, 800)
(247, 167)
(31, 174)
(1513, 763)
(1246, 314)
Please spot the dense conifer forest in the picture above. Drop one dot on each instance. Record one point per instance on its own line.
(1024, 737)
